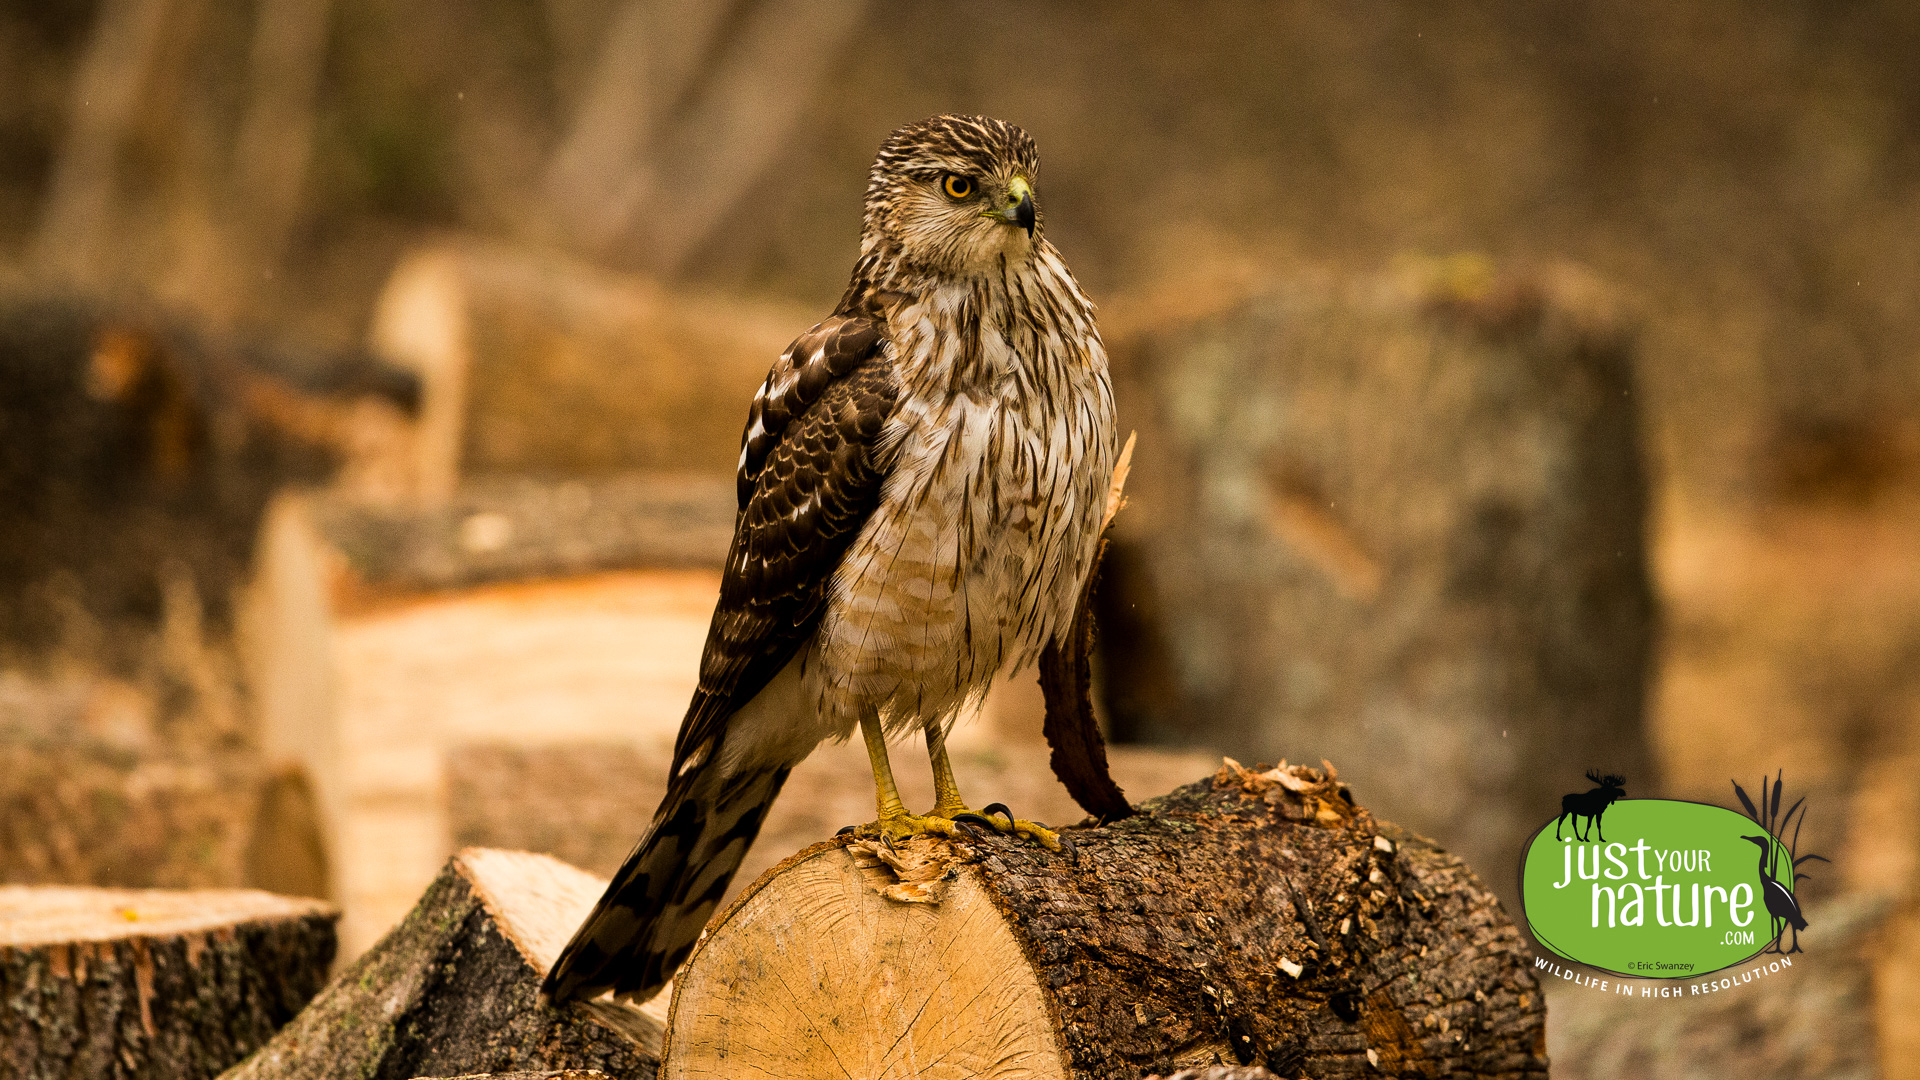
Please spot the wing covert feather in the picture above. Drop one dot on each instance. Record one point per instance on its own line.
(811, 468)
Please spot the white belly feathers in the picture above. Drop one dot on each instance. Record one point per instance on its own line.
(970, 565)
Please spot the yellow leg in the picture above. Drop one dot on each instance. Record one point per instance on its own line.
(894, 822)
(946, 794)
(947, 802)
(886, 794)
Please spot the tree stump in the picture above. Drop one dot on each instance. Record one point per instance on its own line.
(455, 989)
(1256, 918)
(110, 983)
(1395, 521)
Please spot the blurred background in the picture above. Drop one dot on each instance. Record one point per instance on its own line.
(1522, 389)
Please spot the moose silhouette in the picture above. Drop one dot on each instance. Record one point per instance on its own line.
(1590, 804)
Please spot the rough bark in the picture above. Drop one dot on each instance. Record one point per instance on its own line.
(1079, 756)
(1398, 522)
(1254, 918)
(454, 989)
(116, 983)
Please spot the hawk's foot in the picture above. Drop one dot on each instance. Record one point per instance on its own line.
(997, 817)
(893, 828)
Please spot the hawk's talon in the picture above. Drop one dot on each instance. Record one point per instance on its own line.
(997, 817)
(896, 827)
(845, 830)
(1033, 830)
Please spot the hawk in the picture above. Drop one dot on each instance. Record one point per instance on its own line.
(921, 485)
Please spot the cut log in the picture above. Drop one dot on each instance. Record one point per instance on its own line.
(1393, 521)
(1255, 918)
(455, 989)
(521, 529)
(533, 364)
(376, 639)
(92, 794)
(112, 983)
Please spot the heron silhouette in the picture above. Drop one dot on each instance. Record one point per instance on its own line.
(1779, 898)
(1781, 905)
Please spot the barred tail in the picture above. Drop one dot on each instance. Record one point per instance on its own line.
(646, 924)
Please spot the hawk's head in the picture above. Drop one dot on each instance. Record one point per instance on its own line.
(954, 195)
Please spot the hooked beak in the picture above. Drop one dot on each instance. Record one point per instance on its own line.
(1019, 209)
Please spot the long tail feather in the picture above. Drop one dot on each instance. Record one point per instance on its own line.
(657, 905)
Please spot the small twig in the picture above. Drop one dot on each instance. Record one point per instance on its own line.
(1302, 909)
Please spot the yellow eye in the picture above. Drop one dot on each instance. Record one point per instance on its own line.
(957, 186)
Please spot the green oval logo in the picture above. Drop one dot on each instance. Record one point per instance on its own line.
(1674, 890)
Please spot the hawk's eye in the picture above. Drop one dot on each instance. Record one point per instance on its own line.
(957, 186)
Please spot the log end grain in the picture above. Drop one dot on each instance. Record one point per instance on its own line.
(139, 982)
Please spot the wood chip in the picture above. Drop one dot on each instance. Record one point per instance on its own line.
(920, 868)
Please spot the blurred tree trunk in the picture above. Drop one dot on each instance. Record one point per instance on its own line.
(685, 110)
(78, 216)
(1398, 524)
(270, 154)
(214, 206)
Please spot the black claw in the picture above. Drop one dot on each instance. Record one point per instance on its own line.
(846, 831)
(998, 808)
(971, 818)
(1066, 846)
(973, 830)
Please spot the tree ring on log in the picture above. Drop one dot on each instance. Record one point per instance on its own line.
(967, 1010)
